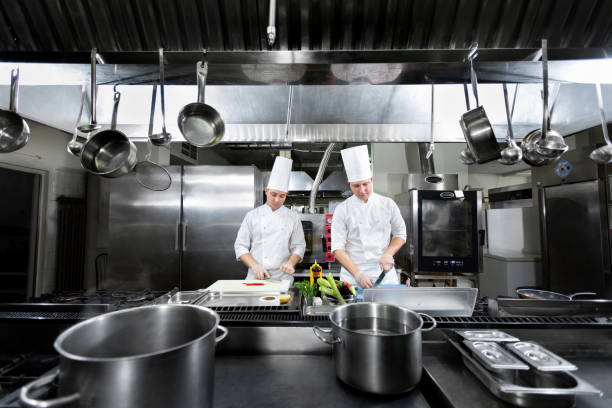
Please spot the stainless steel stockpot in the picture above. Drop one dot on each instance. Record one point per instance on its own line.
(150, 356)
(377, 347)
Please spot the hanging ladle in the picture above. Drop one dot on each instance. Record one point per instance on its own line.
(602, 154)
(163, 138)
(75, 145)
(431, 148)
(92, 125)
(511, 154)
(466, 155)
(551, 143)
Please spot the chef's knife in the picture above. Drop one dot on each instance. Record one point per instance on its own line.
(380, 278)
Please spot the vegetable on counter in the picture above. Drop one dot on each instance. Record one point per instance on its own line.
(309, 291)
(334, 289)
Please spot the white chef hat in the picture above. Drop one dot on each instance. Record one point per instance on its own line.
(281, 174)
(356, 163)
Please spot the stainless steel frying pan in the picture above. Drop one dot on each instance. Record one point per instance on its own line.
(547, 295)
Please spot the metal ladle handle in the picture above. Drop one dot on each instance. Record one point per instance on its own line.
(602, 114)
(510, 137)
(151, 117)
(94, 98)
(431, 148)
(545, 113)
(14, 85)
(161, 82)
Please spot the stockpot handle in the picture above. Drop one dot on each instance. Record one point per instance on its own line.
(14, 85)
(222, 335)
(202, 73)
(30, 402)
(318, 332)
(433, 322)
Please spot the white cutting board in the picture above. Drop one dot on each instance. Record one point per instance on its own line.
(237, 286)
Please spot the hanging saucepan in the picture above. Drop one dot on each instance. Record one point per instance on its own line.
(543, 146)
(547, 295)
(14, 131)
(109, 153)
(475, 125)
(602, 154)
(201, 124)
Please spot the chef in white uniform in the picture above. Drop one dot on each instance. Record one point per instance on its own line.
(270, 241)
(367, 228)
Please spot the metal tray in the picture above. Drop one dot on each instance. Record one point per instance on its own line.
(539, 357)
(494, 357)
(533, 388)
(219, 299)
(433, 301)
(486, 335)
(186, 297)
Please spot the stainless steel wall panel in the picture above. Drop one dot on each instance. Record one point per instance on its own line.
(215, 201)
(144, 240)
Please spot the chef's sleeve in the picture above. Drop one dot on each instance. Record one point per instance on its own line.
(297, 243)
(339, 229)
(398, 226)
(242, 245)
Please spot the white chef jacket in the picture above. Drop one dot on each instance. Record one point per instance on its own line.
(364, 230)
(271, 237)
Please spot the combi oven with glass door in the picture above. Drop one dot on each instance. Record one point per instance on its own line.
(447, 234)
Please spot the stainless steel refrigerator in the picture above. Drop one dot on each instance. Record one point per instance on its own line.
(574, 202)
(183, 236)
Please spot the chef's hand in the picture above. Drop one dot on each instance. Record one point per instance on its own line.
(287, 268)
(260, 272)
(386, 262)
(363, 280)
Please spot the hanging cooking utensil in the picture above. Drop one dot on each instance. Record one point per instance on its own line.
(602, 154)
(75, 145)
(14, 131)
(151, 175)
(466, 155)
(551, 144)
(532, 145)
(511, 154)
(109, 153)
(201, 124)
(475, 125)
(163, 138)
(93, 125)
(431, 148)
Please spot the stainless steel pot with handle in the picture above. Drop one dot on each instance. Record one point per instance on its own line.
(377, 347)
(150, 356)
(14, 131)
(475, 124)
(109, 153)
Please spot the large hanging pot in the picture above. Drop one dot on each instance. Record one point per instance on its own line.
(14, 131)
(475, 124)
(150, 356)
(377, 347)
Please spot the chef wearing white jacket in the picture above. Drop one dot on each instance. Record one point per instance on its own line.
(270, 241)
(367, 228)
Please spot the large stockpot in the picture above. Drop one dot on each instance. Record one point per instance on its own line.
(150, 356)
(377, 347)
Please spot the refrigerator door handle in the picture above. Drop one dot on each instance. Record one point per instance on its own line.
(481, 237)
(184, 236)
(176, 237)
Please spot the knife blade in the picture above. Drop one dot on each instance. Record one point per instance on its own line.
(380, 278)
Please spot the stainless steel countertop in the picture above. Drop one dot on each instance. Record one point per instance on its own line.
(294, 381)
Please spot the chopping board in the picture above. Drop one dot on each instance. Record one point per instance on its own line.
(238, 286)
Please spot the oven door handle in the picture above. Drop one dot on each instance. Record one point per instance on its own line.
(30, 402)
(481, 237)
